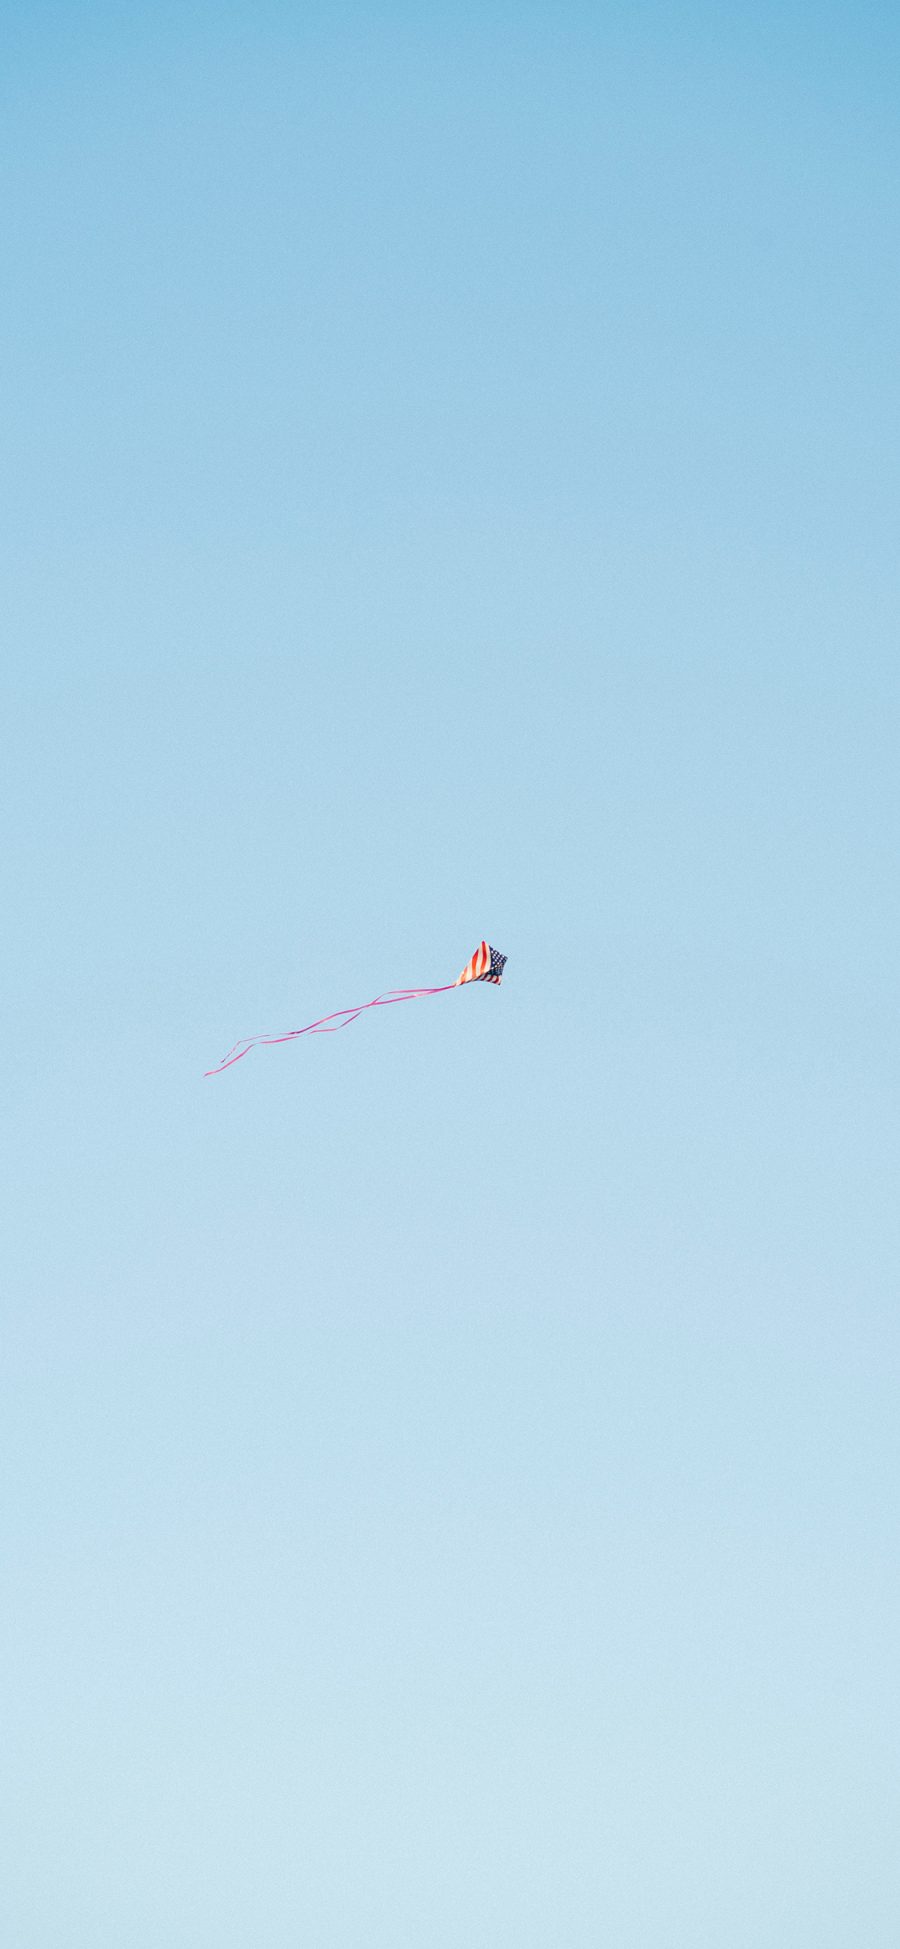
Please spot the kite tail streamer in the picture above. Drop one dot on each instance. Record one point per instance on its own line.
(325, 1025)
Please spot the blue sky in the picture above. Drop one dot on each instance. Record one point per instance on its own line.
(450, 1487)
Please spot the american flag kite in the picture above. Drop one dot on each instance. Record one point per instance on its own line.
(486, 965)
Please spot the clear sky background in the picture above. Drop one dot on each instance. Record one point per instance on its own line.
(450, 1471)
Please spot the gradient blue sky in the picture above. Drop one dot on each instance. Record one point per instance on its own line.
(450, 1471)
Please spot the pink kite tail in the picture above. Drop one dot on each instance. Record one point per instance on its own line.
(325, 1025)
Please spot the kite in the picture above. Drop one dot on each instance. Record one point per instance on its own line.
(486, 965)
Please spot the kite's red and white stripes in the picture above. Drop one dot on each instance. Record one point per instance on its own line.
(486, 965)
